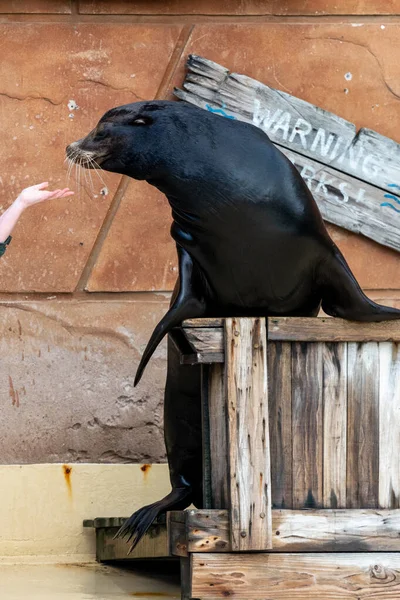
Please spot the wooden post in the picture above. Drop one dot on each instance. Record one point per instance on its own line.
(217, 435)
(205, 426)
(248, 434)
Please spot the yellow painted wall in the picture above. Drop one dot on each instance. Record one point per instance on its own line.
(42, 507)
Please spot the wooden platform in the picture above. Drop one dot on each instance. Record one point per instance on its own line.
(301, 438)
(154, 545)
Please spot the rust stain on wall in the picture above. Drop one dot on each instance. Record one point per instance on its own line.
(13, 393)
(67, 470)
(145, 468)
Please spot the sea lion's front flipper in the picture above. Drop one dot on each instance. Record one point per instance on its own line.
(186, 305)
(342, 296)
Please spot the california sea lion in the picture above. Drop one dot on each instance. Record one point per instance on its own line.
(250, 242)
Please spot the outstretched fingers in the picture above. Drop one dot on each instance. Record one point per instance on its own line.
(62, 193)
(58, 194)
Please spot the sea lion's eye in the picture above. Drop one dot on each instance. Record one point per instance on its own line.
(101, 134)
(141, 121)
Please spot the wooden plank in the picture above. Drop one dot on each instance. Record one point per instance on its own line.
(206, 344)
(328, 329)
(389, 425)
(204, 339)
(210, 347)
(307, 424)
(334, 358)
(384, 165)
(208, 531)
(202, 359)
(218, 437)
(203, 322)
(186, 578)
(280, 422)
(363, 425)
(153, 545)
(332, 157)
(249, 455)
(176, 532)
(177, 516)
(347, 203)
(205, 428)
(321, 530)
(348, 576)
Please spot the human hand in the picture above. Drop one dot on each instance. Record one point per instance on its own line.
(38, 193)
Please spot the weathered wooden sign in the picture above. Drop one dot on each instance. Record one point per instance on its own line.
(353, 176)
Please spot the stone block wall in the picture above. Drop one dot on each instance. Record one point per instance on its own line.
(86, 278)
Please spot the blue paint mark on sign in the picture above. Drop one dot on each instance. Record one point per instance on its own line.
(390, 206)
(392, 197)
(219, 111)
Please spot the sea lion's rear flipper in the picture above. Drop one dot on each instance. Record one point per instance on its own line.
(186, 305)
(183, 441)
(139, 523)
(342, 296)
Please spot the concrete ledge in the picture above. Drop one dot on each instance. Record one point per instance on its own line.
(42, 507)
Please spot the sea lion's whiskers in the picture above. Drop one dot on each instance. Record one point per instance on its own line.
(69, 170)
(78, 175)
(70, 167)
(90, 177)
(71, 160)
(88, 174)
(85, 172)
(96, 169)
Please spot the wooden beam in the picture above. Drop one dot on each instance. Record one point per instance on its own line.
(342, 530)
(307, 424)
(248, 433)
(153, 545)
(279, 359)
(176, 532)
(334, 399)
(319, 530)
(363, 425)
(209, 347)
(328, 329)
(345, 202)
(296, 576)
(219, 450)
(186, 578)
(389, 425)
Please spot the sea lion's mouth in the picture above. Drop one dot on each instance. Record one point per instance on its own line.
(84, 158)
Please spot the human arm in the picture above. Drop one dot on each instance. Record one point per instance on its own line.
(28, 197)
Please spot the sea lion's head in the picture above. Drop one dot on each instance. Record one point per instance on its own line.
(145, 140)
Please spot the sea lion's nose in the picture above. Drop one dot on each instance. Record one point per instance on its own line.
(72, 148)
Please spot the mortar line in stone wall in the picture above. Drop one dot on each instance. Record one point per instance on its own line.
(77, 297)
(103, 232)
(139, 296)
(74, 4)
(196, 19)
(124, 183)
(173, 64)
